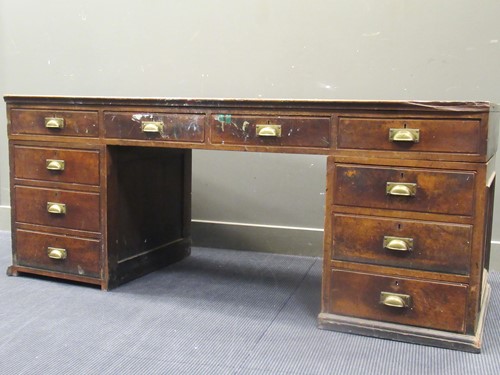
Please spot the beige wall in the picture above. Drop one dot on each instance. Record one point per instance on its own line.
(348, 49)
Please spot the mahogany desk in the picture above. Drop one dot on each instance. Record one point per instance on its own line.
(101, 194)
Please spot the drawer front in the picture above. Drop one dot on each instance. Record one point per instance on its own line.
(71, 123)
(446, 135)
(294, 131)
(81, 208)
(431, 304)
(58, 253)
(421, 245)
(55, 164)
(436, 191)
(185, 127)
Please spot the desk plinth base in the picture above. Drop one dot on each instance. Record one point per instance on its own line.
(410, 334)
(150, 261)
(16, 270)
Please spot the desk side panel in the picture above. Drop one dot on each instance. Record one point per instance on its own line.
(148, 223)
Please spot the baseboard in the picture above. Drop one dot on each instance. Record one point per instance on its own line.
(4, 218)
(262, 238)
(495, 256)
(495, 246)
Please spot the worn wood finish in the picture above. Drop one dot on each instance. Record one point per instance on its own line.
(76, 123)
(83, 254)
(437, 191)
(296, 131)
(174, 126)
(128, 196)
(80, 166)
(442, 247)
(82, 208)
(476, 267)
(388, 270)
(442, 135)
(418, 335)
(433, 304)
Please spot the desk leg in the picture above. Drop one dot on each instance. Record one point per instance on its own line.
(148, 210)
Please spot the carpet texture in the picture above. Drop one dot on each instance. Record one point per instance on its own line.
(216, 312)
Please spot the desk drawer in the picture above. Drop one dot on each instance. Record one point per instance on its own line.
(54, 122)
(412, 244)
(187, 127)
(436, 191)
(55, 164)
(434, 135)
(429, 304)
(58, 253)
(80, 210)
(296, 131)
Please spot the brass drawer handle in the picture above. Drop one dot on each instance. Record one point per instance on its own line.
(56, 208)
(401, 189)
(404, 135)
(54, 122)
(268, 130)
(54, 165)
(152, 126)
(57, 253)
(398, 243)
(400, 301)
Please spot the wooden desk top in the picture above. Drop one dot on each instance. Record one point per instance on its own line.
(238, 103)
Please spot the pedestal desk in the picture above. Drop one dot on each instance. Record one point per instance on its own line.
(100, 191)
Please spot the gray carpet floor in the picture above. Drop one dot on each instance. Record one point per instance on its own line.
(217, 312)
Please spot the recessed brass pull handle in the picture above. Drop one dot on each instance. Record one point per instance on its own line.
(398, 243)
(400, 301)
(404, 135)
(152, 126)
(54, 165)
(401, 189)
(54, 122)
(57, 253)
(268, 130)
(56, 208)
